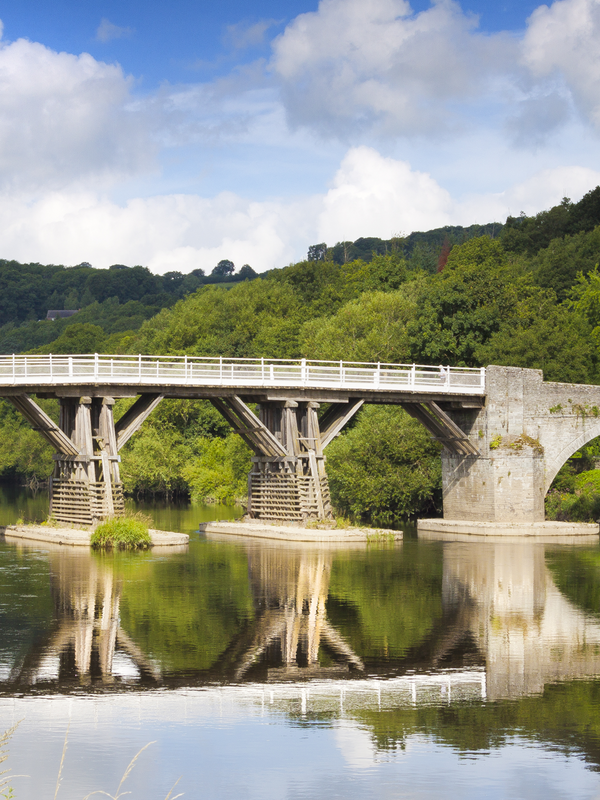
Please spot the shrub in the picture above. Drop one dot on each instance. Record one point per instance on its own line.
(122, 533)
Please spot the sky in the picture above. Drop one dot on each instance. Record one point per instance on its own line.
(175, 135)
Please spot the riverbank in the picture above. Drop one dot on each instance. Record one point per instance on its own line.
(296, 533)
(78, 537)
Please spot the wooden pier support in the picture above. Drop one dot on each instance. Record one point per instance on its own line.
(86, 486)
(288, 481)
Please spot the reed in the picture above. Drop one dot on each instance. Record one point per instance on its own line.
(7, 792)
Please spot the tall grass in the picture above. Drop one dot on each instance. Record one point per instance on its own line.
(122, 533)
(6, 790)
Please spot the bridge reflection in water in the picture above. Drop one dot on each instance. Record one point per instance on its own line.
(505, 631)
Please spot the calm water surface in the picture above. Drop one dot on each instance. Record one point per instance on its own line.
(427, 669)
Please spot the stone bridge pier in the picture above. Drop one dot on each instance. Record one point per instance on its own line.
(524, 433)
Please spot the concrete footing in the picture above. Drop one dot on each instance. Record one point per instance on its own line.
(293, 533)
(78, 537)
(514, 529)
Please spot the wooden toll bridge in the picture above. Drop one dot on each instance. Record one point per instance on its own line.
(288, 481)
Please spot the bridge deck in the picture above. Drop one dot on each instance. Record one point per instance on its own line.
(183, 376)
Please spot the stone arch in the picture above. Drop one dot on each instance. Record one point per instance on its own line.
(553, 465)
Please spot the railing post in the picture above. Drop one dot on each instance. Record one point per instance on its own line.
(272, 371)
(96, 366)
(262, 371)
(377, 375)
(413, 373)
(25, 360)
(220, 369)
(303, 371)
(341, 372)
(51, 366)
(70, 366)
(14, 373)
(185, 375)
(140, 367)
(483, 379)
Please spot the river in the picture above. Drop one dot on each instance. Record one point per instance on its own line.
(245, 668)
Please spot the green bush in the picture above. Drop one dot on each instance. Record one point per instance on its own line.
(385, 468)
(122, 533)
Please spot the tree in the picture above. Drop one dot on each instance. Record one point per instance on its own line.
(386, 468)
(72, 301)
(445, 252)
(247, 273)
(223, 269)
(317, 252)
(371, 328)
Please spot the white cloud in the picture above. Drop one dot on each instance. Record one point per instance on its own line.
(242, 35)
(65, 118)
(540, 191)
(169, 232)
(107, 31)
(382, 196)
(562, 43)
(371, 195)
(353, 66)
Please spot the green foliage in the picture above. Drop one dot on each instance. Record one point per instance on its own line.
(575, 497)
(386, 468)
(122, 533)
(154, 460)
(567, 507)
(557, 266)
(536, 334)
(531, 234)
(461, 308)
(23, 452)
(77, 338)
(588, 481)
(575, 491)
(253, 319)
(185, 611)
(371, 328)
(386, 603)
(218, 472)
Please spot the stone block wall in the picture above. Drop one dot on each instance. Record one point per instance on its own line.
(526, 431)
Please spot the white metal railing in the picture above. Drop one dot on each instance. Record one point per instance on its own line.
(53, 370)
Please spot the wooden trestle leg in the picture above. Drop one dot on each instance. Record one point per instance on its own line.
(85, 486)
(288, 481)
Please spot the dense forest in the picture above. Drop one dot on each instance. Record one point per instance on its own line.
(523, 293)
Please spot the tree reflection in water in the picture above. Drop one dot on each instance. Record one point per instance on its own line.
(254, 611)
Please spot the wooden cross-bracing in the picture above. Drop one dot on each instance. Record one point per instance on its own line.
(288, 481)
(85, 485)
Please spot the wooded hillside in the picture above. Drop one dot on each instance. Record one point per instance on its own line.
(526, 294)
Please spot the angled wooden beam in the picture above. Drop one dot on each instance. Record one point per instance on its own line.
(41, 422)
(237, 425)
(453, 429)
(433, 425)
(336, 417)
(442, 428)
(244, 422)
(133, 418)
